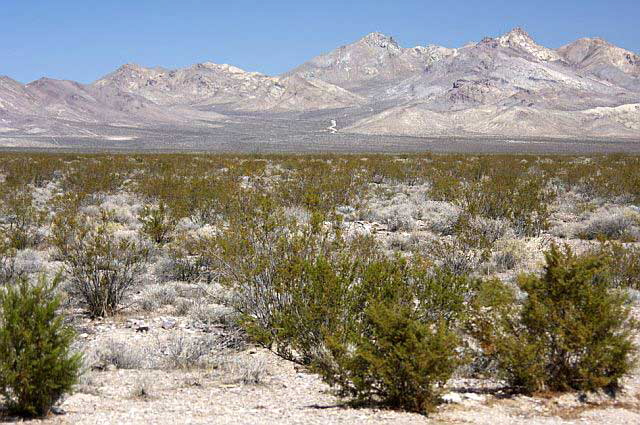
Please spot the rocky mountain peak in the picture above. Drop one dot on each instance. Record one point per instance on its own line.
(516, 36)
(599, 57)
(519, 39)
(219, 67)
(130, 68)
(377, 39)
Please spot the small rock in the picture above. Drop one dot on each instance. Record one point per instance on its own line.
(474, 397)
(452, 398)
(58, 411)
(168, 324)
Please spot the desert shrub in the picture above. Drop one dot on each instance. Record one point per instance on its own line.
(320, 185)
(7, 262)
(245, 370)
(522, 200)
(183, 352)
(623, 263)
(157, 223)
(143, 388)
(608, 225)
(457, 256)
(183, 261)
(102, 265)
(508, 255)
(20, 220)
(480, 233)
(121, 355)
(445, 188)
(37, 366)
(398, 219)
(381, 330)
(392, 358)
(260, 259)
(394, 335)
(29, 261)
(404, 242)
(572, 331)
(440, 217)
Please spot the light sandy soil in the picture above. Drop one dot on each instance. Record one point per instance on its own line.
(288, 395)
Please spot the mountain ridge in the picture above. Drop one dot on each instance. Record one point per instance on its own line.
(508, 85)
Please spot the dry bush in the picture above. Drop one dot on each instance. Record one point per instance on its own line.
(121, 355)
(398, 217)
(616, 224)
(20, 219)
(455, 255)
(247, 370)
(143, 388)
(103, 266)
(184, 351)
(623, 262)
(157, 222)
(440, 217)
(508, 255)
(158, 295)
(8, 269)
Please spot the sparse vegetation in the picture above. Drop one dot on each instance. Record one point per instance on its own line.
(379, 273)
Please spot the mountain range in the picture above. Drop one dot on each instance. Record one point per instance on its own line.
(507, 86)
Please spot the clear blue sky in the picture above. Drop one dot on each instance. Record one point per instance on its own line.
(84, 39)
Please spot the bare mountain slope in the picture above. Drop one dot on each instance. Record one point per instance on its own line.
(508, 86)
(60, 107)
(598, 58)
(503, 86)
(373, 61)
(207, 84)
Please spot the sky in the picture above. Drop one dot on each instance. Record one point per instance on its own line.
(83, 40)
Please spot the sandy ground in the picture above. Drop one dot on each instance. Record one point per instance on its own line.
(288, 395)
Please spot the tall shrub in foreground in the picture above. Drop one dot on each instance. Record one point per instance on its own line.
(392, 358)
(573, 330)
(37, 366)
(381, 330)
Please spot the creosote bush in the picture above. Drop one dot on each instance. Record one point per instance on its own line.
(37, 366)
(381, 330)
(20, 219)
(102, 266)
(157, 223)
(573, 330)
(623, 263)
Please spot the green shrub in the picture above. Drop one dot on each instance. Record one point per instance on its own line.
(36, 364)
(573, 330)
(266, 259)
(392, 357)
(522, 200)
(381, 330)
